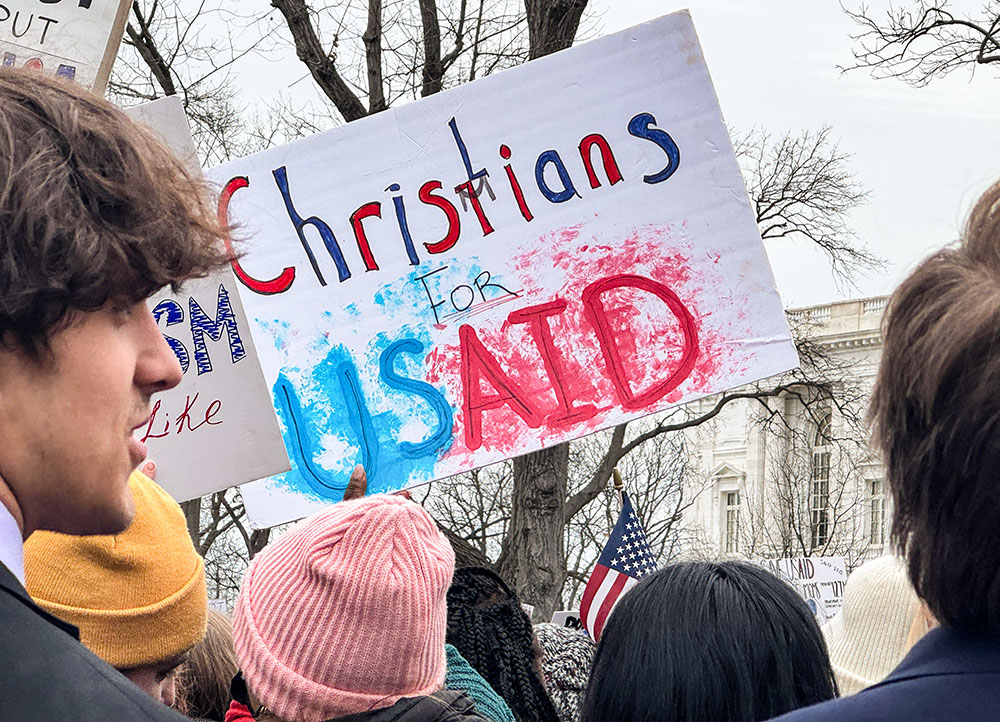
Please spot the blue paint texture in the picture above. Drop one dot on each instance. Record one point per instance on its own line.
(331, 399)
(441, 438)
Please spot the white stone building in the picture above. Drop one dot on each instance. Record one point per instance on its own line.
(792, 474)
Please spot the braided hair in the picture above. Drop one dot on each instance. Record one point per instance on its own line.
(490, 629)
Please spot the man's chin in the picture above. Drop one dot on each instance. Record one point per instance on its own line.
(111, 518)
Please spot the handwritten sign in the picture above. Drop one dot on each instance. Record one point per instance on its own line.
(77, 39)
(569, 619)
(519, 261)
(819, 580)
(217, 428)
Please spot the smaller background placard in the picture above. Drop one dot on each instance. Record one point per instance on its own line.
(218, 427)
(568, 618)
(76, 39)
(819, 580)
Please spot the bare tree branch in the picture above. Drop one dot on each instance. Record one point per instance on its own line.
(925, 42)
(141, 39)
(801, 186)
(599, 480)
(321, 65)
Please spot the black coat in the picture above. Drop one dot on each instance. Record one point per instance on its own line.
(46, 675)
(946, 677)
(444, 706)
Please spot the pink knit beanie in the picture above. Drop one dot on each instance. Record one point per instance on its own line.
(346, 612)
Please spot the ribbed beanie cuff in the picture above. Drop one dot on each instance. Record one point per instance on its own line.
(126, 638)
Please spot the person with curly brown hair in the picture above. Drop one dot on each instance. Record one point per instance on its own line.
(95, 216)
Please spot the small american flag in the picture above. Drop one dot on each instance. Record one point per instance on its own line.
(625, 560)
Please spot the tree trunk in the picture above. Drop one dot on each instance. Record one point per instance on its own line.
(552, 24)
(192, 515)
(258, 540)
(534, 556)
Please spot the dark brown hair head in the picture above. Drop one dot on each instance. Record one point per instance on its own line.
(936, 416)
(93, 207)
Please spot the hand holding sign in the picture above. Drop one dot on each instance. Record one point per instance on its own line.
(357, 485)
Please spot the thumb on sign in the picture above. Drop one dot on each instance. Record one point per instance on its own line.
(357, 487)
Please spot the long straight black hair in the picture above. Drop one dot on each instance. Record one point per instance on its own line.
(708, 642)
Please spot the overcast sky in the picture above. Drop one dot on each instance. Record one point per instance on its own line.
(925, 153)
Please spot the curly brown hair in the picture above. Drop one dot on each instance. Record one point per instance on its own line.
(93, 208)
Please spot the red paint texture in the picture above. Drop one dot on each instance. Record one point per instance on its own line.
(660, 345)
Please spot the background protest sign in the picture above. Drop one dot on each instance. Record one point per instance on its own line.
(217, 428)
(568, 618)
(820, 581)
(519, 261)
(77, 39)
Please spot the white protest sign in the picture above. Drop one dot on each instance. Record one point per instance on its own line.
(819, 580)
(217, 428)
(568, 618)
(519, 261)
(76, 39)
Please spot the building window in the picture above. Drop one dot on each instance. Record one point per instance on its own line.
(819, 489)
(732, 506)
(876, 514)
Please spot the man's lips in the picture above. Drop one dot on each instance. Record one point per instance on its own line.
(137, 450)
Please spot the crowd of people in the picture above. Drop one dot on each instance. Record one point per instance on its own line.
(358, 613)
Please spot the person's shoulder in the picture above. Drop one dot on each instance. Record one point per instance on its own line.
(443, 706)
(54, 676)
(457, 706)
(924, 698)
(845, 709)
(446, 705)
